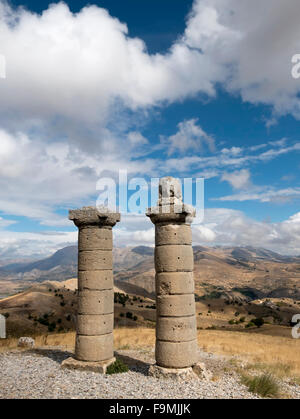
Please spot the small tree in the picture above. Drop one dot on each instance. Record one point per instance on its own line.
(258, 321)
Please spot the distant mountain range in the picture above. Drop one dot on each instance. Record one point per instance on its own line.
(247, 271)
(63, 257)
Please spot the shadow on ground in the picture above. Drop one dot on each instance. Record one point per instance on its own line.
(59, 355)
(56, 355)
(134, 364)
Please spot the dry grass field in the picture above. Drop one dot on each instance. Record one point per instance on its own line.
(253, 351)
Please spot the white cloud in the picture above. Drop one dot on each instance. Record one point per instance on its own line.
(268, 194)
(189, 137)
(235, 151)
(14, 245)
(202, 234)
(228, 227)
(239, 179)
(6, 223)
(136, 138)
(253, 41)
(84, 64)
(85, 67)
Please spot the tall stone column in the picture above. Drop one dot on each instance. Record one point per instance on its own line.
(176, 331)
(95, 314)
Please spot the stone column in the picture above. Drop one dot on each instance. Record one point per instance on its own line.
(95, 314)
(176, 331)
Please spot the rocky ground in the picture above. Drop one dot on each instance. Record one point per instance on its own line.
(37, 374)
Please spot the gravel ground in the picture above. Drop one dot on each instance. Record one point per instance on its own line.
(37, 374)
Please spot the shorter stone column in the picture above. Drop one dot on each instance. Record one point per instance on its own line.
(95, 314)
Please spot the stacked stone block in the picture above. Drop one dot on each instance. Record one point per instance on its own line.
(95, 315)
(176, 331)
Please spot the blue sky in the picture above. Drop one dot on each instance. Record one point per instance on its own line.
(182, 88)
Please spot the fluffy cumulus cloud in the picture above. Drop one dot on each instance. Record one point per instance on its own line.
(239, 179)
(189, 137)
(74, 72)
(253, 42)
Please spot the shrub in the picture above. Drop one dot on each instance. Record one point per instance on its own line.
(121, 314)
(117, 367)
(231, 322)
(62, 304)
(6, 315)
(258, 321)
(129, 315)
(43, 321)
(121, 298)
(264, 385)
(51, 327)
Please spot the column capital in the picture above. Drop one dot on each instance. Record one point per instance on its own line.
(92, 216)
(181, 214)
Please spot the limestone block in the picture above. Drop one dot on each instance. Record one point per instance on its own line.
(202, 372)
(174, 258)
(173, 234)
(95, 280)
(176, 374)
(98, 367)
(99, 324)
(95, 238)
(26, 342)
(176, 355)
(96, 302)
(89, 260)
(175, 305)
(94, 348)
(176, 329)
(174, 283)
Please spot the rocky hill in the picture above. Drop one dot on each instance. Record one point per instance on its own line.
(245, 273)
